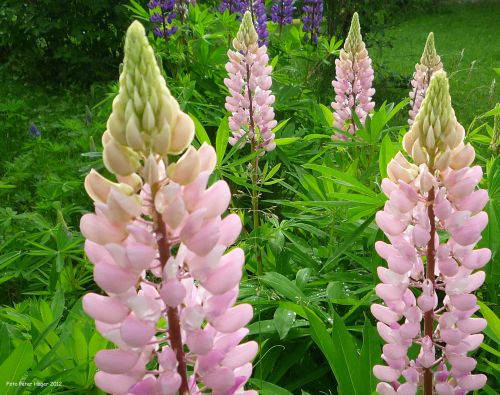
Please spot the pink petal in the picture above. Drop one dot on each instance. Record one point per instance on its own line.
(104, 308)
(234, 318)
(114, 383)
(116, 361)
(113, 278)
(135, 332)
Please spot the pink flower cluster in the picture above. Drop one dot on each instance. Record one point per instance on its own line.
(199, 285)
(353, 83)
(158, 241)
(422, 264)
(250, 101)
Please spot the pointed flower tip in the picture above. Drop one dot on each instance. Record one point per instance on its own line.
(135, 31)
(439, 84)
(247, 34)
(136, 28)
(354, 38)
(355, 27)
(429, 56)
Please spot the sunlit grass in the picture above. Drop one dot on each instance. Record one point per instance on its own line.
(467, 40)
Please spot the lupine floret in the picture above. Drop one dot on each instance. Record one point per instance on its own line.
(158, 241)
(436, 194)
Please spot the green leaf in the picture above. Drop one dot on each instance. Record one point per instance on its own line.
(286, 140)
(283, 286)
(348, 242)
(492, 319)
(338, 350)
(283, 321)
(272, 172)
(370, 356)
(327, 114)
(267, 388)
(387, 152)
(199, 130)
(274, 62)
(57, 304)
(281, 125)
(341, 178)
(14, 367)
(221, 139)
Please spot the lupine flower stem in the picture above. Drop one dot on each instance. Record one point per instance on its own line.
(429, 274)
(255, 180)
(174, 327)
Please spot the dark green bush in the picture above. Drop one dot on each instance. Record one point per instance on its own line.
(59, 40)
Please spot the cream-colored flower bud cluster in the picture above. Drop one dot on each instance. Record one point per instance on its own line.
(247, 35)
(354, 44)
(146, 122)
(436, 137)
(430, 61)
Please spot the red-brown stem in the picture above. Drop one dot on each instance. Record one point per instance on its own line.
(255, 177)
(174, 327)
(429, 274)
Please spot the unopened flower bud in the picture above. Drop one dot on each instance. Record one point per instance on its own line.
(186, 169)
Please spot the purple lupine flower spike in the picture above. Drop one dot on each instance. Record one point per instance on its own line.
(234, 6)
(163, 17)
(260, 21)
(282, 11)
(313, 14)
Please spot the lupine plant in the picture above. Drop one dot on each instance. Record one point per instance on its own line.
(282, 13)
(353, 83)
(313, 15)
(259, 17)
(430, 62)
(233, 6)
(250, 101)
(433, 219)
(158, 242)
(163, 17)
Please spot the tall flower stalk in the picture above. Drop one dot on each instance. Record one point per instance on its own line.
(353, 83)
(233, 6)
(163, 17)
(158, 240)
(430, 62)
(250, 102)
(282, 13)
(259, 17)
(313, 15)
(433, 219)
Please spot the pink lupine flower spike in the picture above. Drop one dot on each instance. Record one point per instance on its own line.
(158, 240)
(431, 277)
